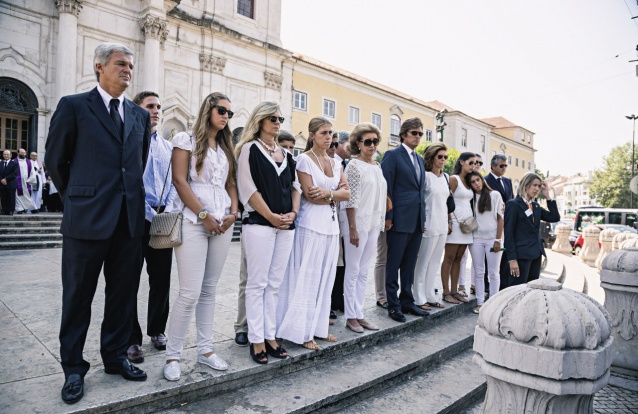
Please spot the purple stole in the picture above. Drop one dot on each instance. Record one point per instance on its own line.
(19, 176)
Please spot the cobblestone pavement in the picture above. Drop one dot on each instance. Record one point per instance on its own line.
(615, 400)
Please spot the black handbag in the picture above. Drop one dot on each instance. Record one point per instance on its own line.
(450, 199)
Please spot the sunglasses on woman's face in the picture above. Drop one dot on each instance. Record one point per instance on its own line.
(415, 133)
(472, 163)
(442, 157)
(334, 145)
(370, 142)
(479, 163)
(223, 111)
(274, 119)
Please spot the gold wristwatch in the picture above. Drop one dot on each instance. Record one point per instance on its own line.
(202, 214)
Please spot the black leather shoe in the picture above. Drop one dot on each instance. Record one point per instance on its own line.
(241, 338)
(383, 305)
(333, 315)
(127, 370)
(415, 310)
(73, 389)
(396, 315)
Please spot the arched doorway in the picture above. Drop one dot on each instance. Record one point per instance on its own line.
(18, 116)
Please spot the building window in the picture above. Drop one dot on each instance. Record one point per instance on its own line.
(428, 135)
(297, 152)
(464, 137)
(353, 115)
(300, 101)
(523, 136)
(14, 131)
(483, 144)
(523, 164)
(517, 162)
(529, 138)
(509, 160)
(395, 127)
(328, 108)
(376, 120)
(529, 166)
(246, 8)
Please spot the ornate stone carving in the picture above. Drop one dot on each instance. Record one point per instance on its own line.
(273, 81)
(16, 97)
(154, 27)
(214, 64)
(621, 237)
(69, 6)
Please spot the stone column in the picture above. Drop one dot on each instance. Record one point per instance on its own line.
(606, 238)
(619, 278)
(544, 349)
(67, 45)
(561, 245)
(155, 33)
(590, 249)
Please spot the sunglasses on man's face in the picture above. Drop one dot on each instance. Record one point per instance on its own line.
(274, 119)
(370, 142)
(334, 145)
(223, 111)
(415, 133)
(479, 163)
(442, 157)
(503, 166)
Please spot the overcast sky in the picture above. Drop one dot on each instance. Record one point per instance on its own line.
(556, 67)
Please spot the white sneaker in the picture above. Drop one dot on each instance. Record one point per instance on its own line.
(213, 361)
(172, 371)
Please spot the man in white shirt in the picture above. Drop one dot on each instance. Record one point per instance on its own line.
(36, 189)
(158, 186)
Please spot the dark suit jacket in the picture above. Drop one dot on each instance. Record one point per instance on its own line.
(10, 173)
(407, 194)
(522, 234)
(93, 168)
(505, 190)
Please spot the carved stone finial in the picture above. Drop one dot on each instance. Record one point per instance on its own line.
(154, 27)
(214, 64)
(273, 81)
(69, 6)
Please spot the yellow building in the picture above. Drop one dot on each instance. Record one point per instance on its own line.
(348, 99)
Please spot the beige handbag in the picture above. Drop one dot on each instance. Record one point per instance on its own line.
(469, 225)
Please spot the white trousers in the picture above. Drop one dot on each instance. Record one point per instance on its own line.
(267, 253)
(356, 274)
(427, 267)
(480, 249)
(200, 260)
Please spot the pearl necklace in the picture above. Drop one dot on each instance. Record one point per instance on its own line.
(272, 150)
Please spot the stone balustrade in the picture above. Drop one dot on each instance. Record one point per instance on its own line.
(605, 238)
(621, 237)
(562, 245)
(590, 250)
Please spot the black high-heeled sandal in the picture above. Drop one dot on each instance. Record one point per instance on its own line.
(260, 358)
(280, 352)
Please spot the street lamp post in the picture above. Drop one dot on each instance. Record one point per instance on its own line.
(633, 139)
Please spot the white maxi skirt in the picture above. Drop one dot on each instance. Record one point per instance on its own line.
(303, 310)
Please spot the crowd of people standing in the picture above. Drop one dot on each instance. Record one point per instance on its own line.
(333, 206)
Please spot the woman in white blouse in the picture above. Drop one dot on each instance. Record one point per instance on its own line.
(362, 219)
(208, 200)
(304, 296)
(488, 236)
(436, 227)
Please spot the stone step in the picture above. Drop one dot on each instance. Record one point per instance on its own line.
(345, 379)
(17, 237)
(46, 244)
(30, 223)
(31, 217)
(30, 230)
(444, 334)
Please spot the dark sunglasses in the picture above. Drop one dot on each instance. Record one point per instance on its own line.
(442, 157)
(369, 142)
(503, 165)
(334, 145)
(415, 133)
(479, 163)
(223, 111)
(472, 162)
(274, 119)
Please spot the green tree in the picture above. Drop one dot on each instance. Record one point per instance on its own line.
(611, 182)
(452, 156)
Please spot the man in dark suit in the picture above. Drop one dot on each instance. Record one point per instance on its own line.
(8, 184)
(96, 154)
(404, 172)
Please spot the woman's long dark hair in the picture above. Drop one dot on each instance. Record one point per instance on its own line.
(463, 157)
(484, 202)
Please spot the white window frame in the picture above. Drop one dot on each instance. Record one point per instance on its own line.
(351, 111)
(428, 135)
(483, 144)
(372, 119)
(334, 108)
(394, 138)
(305, 100)
(464, 137)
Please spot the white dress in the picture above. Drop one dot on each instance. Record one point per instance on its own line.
(303, 309)
(463, 211)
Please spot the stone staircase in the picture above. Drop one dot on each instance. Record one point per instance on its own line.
(30, 231)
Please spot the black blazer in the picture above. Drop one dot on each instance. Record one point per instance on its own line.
(522, 234)
(10, 173)
(93, 168)
(506, 191)
(407, 194)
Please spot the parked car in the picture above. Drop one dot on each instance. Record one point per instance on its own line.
(578, 244)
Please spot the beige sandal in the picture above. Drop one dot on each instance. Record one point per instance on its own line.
(311, 345)
(329, 338)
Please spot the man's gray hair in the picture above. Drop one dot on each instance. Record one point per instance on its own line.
(344, 136)
(104, 51)
(497, 158)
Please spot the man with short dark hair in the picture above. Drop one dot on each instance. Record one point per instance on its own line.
(160, 191)
(286, 141)
(8, 184)
(404, 172)
(96, 154)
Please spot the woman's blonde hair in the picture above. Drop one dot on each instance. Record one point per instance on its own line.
(313, 126)
(526, 181)
(224, 137)
(430, 153)
(358, 132)
(253, 125)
